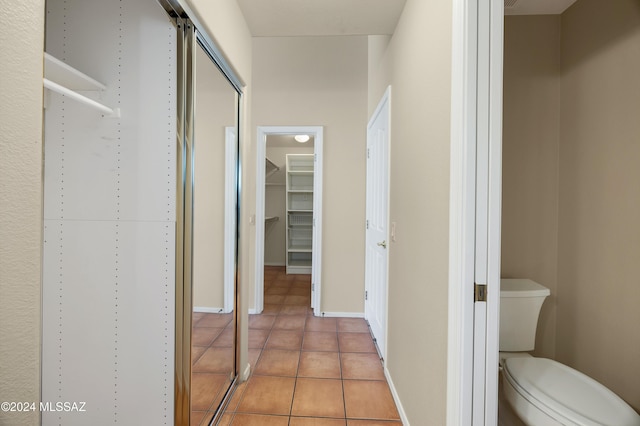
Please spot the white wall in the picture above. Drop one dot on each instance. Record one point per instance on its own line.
(310, 81)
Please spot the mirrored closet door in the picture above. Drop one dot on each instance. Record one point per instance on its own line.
(214, 193)
(207, 244)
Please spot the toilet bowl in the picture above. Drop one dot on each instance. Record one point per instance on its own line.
(543, 392)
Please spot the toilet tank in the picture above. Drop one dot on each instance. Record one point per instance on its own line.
(520, 303)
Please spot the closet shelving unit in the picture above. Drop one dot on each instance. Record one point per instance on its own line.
(68, 81)
(299, 188)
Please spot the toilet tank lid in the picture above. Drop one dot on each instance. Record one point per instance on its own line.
(522, 287)
(569, 393)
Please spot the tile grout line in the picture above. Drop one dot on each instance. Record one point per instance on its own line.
(344, 395)
(295, 383)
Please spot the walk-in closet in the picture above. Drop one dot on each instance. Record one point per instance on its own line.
(289, 183)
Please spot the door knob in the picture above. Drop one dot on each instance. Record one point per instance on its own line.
(383, 244)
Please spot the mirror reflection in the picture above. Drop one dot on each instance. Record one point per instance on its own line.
(214, 239)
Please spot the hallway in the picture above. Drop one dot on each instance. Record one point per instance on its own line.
(308, 370)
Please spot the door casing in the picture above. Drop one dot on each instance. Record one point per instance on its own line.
(316, 256)
(475, 194)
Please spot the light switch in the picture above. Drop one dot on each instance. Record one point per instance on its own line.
(393, 232)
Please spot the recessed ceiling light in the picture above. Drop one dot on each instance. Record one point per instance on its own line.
(302, 138)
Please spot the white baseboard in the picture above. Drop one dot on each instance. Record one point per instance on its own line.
(396, 398)
(209, 310)
(275, 264)
(342, 314)
(253, 311)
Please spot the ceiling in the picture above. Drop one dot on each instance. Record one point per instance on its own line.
(286, 141)
(292, 18)
(282, 18)
(536, 7)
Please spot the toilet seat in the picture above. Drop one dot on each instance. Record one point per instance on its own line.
(566, 395)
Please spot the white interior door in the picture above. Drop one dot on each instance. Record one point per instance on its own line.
(377, 240)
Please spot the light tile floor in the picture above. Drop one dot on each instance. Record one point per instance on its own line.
(308, 371)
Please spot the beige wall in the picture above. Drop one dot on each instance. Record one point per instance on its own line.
(599, 226)
(310, 81)
(379, 63)
(530, 145)
(225, 24)
(571, 145)
(417, 63)
(21, 205)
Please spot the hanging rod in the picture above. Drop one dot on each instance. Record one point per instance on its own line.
(67, 80)
(112, 112)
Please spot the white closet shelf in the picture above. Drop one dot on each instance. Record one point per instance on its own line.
(300, 263)
(300, 248)
(66, 80)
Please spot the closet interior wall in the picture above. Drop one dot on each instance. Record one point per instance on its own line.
(109, 216)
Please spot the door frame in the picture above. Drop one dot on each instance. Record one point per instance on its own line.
(385, 102)
(316, 256)
(230, 216)
(475, 174)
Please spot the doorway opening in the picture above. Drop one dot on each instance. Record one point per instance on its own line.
(301, 180)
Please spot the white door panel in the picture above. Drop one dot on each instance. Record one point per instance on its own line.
(488, 196)
(377, 241)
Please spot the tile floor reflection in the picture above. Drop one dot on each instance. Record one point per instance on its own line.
(212, 363)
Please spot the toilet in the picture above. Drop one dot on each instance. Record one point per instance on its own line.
(541, 391)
